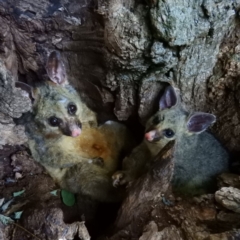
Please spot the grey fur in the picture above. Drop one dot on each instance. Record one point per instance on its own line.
(198, 160)
(81, 163)
(198, 156)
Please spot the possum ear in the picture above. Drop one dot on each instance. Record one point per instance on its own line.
(200, 121)
(31, 92)
(168, 99)
(55, 69)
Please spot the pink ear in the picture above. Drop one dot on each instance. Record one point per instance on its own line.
(200, 121)
(169, 98)
(55, 69)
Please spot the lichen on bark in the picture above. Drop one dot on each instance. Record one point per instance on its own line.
(14, 102)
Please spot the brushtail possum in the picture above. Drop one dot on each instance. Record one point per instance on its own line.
(64, 137)
(198, 156)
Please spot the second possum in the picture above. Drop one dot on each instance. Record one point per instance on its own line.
(198, 156)
(64, 137)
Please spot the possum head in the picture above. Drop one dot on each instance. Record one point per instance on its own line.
(171, 121)
(57, 107)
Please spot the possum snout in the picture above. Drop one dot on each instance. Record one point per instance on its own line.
(72, 128)
(75, 131)
(152, 136)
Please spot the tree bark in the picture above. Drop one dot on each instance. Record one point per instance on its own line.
(120, 54)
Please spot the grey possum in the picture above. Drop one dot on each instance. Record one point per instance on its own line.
(198, 156)
(64, 137)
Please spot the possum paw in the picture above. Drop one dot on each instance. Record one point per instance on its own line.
(119, 178)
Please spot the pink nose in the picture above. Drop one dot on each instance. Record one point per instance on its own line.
(150, 135)
(76, 132)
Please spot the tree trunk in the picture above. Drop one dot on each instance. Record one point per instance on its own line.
(120, 54)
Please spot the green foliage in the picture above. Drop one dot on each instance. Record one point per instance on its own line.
(54, 192)
(68, 198)
(1, 201)
(16, 194)
(17, 215)
(5, 220)
(5, 206)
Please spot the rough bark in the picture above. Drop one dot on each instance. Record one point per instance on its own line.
(13, 103)
(229, 198)
(120, 55)
(45, 225)
(179, 42)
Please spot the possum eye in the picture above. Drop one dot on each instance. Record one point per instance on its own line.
(72, 108)
(54, 121)
(168, 133)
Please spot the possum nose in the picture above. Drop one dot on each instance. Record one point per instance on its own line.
(75, 132)
(150, 135)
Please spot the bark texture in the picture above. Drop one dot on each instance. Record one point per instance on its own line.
(120, 54)
(151, 211)
(172, 41)
(13, 103)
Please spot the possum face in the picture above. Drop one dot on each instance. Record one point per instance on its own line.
(57, 106)
(171, 121)
(164, 126)
(58, 112)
